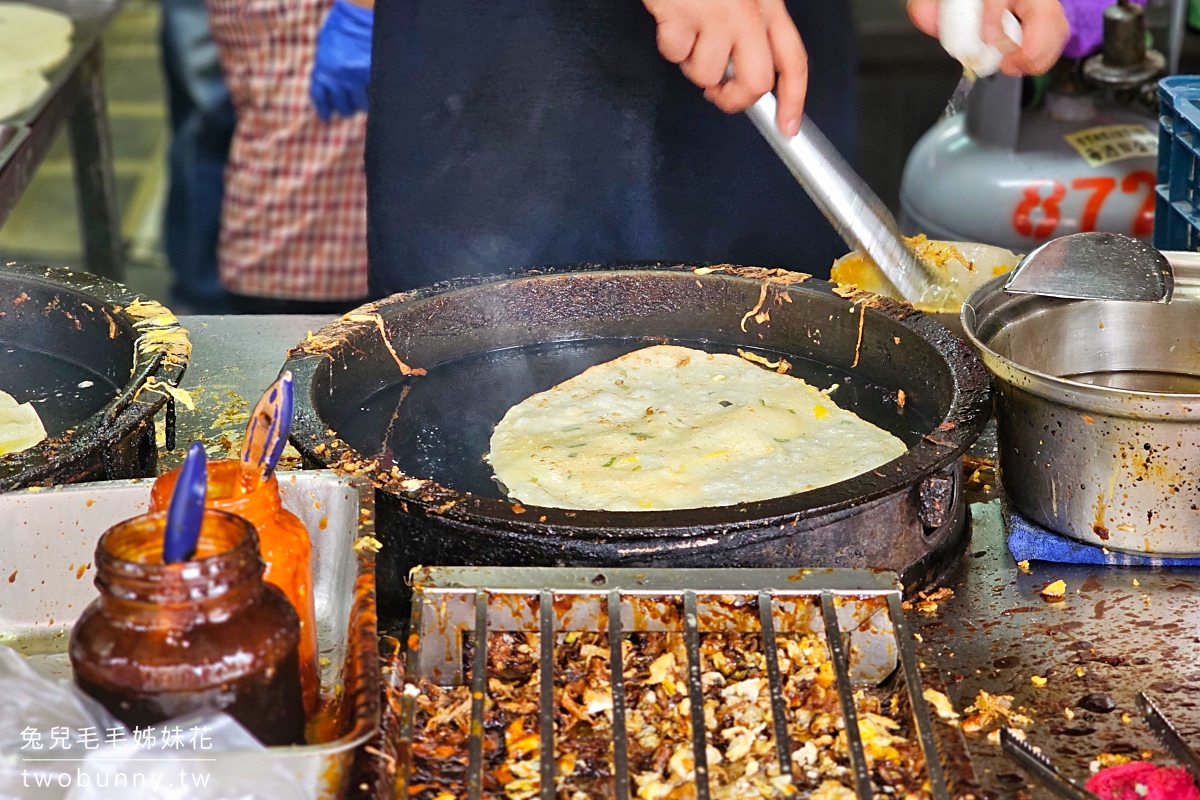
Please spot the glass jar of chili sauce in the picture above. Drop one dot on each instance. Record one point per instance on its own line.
(282, 540)
(208, 633)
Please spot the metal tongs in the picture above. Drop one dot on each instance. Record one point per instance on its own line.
(1038, 766)
(1162, 728)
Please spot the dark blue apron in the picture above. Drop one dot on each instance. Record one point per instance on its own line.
(506, 134)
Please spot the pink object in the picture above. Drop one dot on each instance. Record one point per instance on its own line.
(1158, 783)
(1087, 25)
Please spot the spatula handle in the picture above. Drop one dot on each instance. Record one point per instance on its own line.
(185, 514)
(269, 427)
(856, 212)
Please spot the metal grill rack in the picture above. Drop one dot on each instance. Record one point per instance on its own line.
(857, 612)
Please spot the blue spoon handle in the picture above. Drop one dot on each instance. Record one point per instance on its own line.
(186, 512)
(269, 427)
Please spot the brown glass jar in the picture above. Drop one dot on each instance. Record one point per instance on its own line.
(167, 639)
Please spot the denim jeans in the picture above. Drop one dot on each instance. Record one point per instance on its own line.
(202, 121)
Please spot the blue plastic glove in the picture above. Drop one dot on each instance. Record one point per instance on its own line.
(342, 67)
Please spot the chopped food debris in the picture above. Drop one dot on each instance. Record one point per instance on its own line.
(781, 366)
(1103, 760)
(778, 277)
(181, 396)
(1068, 713)
(862, 318)
(377, 321)
(992, 709)
(927, 602)
(832, 790)
(1055, 591)
(941, 704)
(739, 730)
(369, 543)
(1037, 680)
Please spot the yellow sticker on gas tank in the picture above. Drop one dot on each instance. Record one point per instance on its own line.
(1107, 143)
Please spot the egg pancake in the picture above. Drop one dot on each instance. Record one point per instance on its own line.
(670, 427)
(20, 426)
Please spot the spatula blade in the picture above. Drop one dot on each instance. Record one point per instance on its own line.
(1095, 266)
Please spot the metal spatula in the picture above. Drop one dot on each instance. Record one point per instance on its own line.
(268, 428)
(856, 212)
(1095, 266)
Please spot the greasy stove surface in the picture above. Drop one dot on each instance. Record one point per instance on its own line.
(1125, 630)
(994, 634)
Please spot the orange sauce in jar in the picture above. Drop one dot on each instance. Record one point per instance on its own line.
(283, 542)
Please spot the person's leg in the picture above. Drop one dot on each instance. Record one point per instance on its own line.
(202, 122)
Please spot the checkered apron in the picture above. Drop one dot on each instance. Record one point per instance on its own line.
(293, 223)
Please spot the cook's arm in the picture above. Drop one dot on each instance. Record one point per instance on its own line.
(758, 36)
(342, 66)
(1044, 31)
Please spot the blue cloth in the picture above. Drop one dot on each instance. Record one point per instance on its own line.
(342, 66)
(1030, 542)
(202, 121)
(506, 134)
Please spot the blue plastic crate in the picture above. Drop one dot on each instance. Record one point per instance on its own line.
(1177, 200)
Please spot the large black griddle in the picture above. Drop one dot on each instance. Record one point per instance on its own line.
(69, 346)
(489, 343)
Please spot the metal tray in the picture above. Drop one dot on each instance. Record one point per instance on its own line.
(45, 583)
(857, 611)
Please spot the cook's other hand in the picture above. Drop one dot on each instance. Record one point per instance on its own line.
(1044, 31)
(342, 67)
(758, 36)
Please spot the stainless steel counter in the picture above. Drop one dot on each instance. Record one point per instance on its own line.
(1117, 632)
(76, 99)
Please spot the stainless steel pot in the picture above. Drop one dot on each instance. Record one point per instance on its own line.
(1098, 410)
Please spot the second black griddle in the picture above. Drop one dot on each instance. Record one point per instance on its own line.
(81, 350)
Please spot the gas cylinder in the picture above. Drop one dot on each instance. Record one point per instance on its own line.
(1081, 158)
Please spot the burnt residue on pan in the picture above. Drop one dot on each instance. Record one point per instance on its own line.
(486, 343)
(97, 361)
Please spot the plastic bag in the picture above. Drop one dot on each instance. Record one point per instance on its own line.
(58, 744)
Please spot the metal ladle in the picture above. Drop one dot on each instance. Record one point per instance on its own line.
(856, 212)
(1095, 266)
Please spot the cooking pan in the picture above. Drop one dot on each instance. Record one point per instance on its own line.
(486, 344)
(1098, 412)
(88, 354)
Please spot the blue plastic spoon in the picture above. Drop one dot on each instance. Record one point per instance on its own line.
(268, 429)
(186, 511)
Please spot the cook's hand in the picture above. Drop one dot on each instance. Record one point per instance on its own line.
(1044, 31)
(342, 67)
(703, 36)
